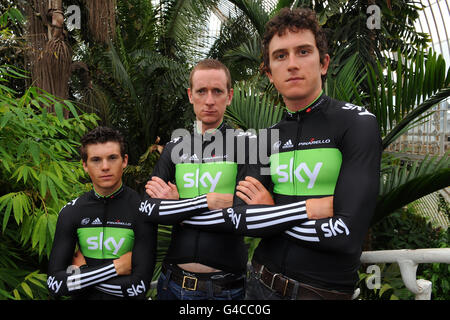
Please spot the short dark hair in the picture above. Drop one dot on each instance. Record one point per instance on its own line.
(293, 20)
(101, 135)
(207, 64)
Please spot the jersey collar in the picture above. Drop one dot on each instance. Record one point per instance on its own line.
(210, 132)
(110, 196)
(313, 106)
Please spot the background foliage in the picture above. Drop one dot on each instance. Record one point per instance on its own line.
(39, 172)
(135, 80)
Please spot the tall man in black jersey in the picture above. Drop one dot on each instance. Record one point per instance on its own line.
(117, 247)
(199, 264)
(325, 148)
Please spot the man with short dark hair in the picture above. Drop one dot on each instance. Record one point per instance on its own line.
(334, 148)
(325, 148)
(117, 248)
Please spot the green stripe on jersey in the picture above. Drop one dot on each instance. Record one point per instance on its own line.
(105, 242)
(312, 172)
(195, 179)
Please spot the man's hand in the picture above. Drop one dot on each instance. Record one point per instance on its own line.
(251, 191)
(158, 188)
(320, 208)
(78, 259)
(123, 264)
(219, 200)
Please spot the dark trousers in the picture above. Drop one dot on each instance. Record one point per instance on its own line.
(256, 290)
(169, 290)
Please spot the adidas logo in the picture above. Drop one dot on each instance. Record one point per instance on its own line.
(288, 144)
(194, 157)
(97, 221)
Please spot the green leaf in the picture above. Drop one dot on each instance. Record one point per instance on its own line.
(43, 185)
(7, 214)
(39, 235)
(27, 289)
(72, 109)
(51, 187)
(51, 223)
(34, 279)
(35, 152)
(18, 208)
(6, 294)
(59, 111)
(16, 294)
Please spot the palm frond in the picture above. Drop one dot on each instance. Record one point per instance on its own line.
(416, 114)
(398, 96)
(251, 110)
(248, 52)
(344, 79)
(404, 181)
(183, 25)
(119, 70)
(255, 12)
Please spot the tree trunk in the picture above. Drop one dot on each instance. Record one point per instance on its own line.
(51, 56)
(102, 20)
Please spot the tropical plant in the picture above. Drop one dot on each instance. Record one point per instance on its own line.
(12, 45)
(400, 99)
(139, 80)
(40, 172)
(250, 109)
(399, 92)
(345, 22)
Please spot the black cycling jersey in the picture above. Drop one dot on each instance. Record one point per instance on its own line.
(199, 164)
(328, 148)
(104, 228)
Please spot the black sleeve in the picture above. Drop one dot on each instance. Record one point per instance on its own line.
(355, 193)
(137, 283)
(251, 220)
(164, 167)
(63, 279)
(170, 212)
(255, 164)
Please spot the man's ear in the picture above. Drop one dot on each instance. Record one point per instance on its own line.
(324, 64)
(85, 166)
(125, 161)
(189, 92)
(269, 75)
(230, 96)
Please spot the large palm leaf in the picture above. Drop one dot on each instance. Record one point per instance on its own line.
(398, 97)
(251, 110)
(343, 82)
(404, 181)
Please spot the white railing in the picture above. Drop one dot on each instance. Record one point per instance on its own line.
(408, 260)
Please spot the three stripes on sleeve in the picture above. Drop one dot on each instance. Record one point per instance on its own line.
(259, 221)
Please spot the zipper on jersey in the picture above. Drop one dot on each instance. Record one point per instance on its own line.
(105, 208)
(298, 123)
(296, 142)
